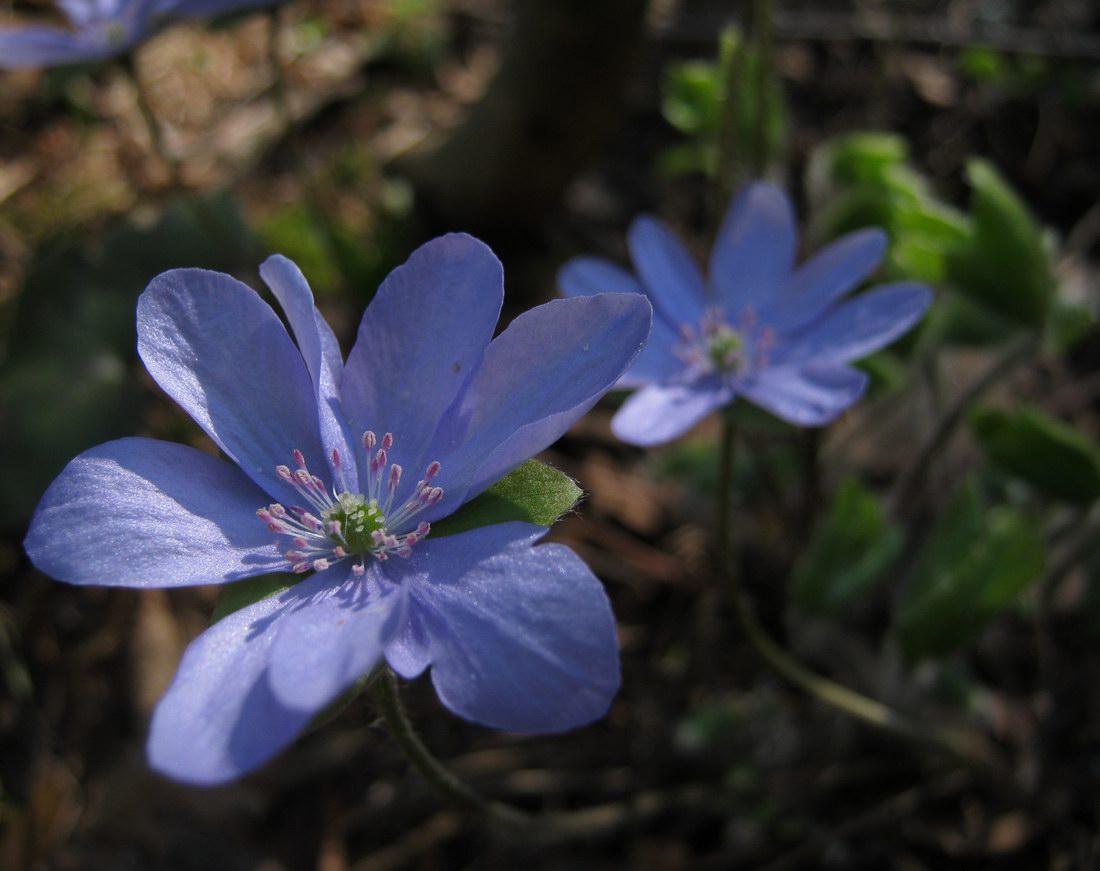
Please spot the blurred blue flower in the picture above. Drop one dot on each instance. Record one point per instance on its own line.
(759, 328)
(101, 29)
(517, 637)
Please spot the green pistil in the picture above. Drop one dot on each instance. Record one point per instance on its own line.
(724, 348)
(359, 520)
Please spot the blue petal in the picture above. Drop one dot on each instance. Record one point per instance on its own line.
(810, 396)
(33, 47)
(519, 637)
(144, 513)
(223, 355)
(754, 251)
(207, 8)
(660, 413)
(588, 276)
(537, 378)
(420, 339)
(321, 353)
(332, 633)
(855, 329)
(657, 361)
(825, 278)
(671, 278)
(219, 719)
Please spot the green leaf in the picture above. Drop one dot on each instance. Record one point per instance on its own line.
(851, 548)
(858, 158)
(692, 97)
(533, 493)
(1047, 453)
(1005, 263)
(240, 594)
(974, 566)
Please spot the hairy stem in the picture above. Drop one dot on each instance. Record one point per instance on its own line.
(386, 697)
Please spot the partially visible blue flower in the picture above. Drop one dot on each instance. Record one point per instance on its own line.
(757, 327)
(101, 29)
(341, 468)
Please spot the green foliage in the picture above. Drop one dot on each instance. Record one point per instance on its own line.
(1004, 264)
(1046, 453)
(863, 180)
(851, 548)
(975, 564)
(533, 493)
(695, 102)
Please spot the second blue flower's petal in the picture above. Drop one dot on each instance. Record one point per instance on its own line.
(519, 637)
(671, 278)
(222, 353)
(588, 276)
(660, 413)
(857, 328)
(219, 719)
(332, 633)
(420, 338)
(810, 396)
(825, 278)
(537, 378)
(145, 513)
(754, 250)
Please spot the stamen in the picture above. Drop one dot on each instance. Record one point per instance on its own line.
(335, 525)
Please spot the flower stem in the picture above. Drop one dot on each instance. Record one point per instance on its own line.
(965, 744)
(762, 32)
(385, 695)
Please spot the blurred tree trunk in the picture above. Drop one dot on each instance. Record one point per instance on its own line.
(556, 97)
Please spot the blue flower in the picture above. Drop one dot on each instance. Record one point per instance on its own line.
(101, 29)
(759, 328)
(517, 637)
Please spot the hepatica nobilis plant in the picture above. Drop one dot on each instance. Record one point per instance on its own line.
(342, 470)
(756, 326)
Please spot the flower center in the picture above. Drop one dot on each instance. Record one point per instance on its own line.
(717, 346)
(342, 525)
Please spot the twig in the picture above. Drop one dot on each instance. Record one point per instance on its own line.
(152, 124)
(885, 814)
(913, 476)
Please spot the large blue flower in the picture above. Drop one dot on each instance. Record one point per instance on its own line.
(101, 29)
(759, 328)
(517, 637)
